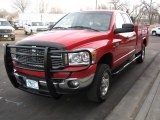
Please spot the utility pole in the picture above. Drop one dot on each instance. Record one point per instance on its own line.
(96, 4)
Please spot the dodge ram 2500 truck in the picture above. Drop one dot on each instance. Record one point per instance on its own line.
(81, 52)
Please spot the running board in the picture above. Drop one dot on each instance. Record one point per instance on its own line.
(126, 65)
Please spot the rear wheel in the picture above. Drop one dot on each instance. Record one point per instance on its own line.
(26, 33)
(154, 33)
(31, 32)
(99, 88)
(142, 55)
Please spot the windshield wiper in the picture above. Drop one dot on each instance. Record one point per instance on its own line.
(59, 28)
(83, 27)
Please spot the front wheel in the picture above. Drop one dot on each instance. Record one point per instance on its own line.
(31, 32)
(13, 39)
(142, 55)
(99, 88)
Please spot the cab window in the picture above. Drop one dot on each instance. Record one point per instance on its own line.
(127, 18)
(119, 21)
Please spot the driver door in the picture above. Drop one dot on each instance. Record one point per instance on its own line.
(121, 43)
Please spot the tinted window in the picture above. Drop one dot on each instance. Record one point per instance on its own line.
(96, 20)
(119, 21)
(37, 24)
(4, 23)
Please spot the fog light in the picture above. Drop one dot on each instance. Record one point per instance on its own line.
(73, 84)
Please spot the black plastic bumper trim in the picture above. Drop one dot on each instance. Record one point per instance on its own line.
(9, 66)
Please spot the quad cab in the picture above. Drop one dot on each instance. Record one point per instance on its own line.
(81, 52)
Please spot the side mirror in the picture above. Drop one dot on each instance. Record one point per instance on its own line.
(125, 28)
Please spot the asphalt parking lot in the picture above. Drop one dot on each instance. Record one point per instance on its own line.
(16, 104)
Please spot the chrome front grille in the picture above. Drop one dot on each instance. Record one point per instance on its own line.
(57, 59)
(32, 58)
(5, 31)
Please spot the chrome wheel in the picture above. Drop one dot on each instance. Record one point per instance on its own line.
(100, 86)
(104, 84)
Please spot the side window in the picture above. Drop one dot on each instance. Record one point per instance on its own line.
(119, 21)
(127, 19)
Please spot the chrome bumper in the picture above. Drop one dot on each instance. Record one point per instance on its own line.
(83, 82)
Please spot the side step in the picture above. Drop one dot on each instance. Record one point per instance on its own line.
(125, 66)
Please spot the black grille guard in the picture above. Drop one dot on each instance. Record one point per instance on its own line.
(47, 65)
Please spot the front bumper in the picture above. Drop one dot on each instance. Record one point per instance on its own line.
(48, 85)
(7, 35)
(62, 88)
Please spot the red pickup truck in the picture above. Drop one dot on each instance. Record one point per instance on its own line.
(81, 52)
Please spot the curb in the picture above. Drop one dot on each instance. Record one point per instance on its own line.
(142, 115)
(129, 106)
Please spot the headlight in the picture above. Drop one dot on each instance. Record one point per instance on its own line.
(81, 58)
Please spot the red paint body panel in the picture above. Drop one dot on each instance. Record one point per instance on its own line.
(101, 41)
(82, 74)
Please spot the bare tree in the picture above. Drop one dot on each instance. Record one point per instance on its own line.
(102, 6)
(20, 5)
(118, 4)
(3, 13)
(151, 10)
(43, 6)
(56, 11)
(136, 12)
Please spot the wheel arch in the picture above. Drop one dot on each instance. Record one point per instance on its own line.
(106, 59)
(145, 42)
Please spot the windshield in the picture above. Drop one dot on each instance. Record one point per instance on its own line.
(99, 21)
(37, 24)
(4, 23)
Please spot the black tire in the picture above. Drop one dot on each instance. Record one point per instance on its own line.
(31, 32)
(97, 91)
(13, 39)
(26, 33)
(142, 55)
(154, 33)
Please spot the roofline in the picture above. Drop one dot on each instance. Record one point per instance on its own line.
(101, 10)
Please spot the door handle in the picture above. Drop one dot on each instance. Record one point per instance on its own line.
(116, 45)
(116, 42)
(127, 37)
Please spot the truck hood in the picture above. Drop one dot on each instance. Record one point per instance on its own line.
(68, 38)
(7, 27)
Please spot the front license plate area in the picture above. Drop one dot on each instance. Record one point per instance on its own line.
(6, 36)
(32, 84)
